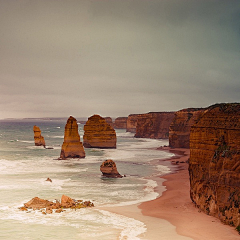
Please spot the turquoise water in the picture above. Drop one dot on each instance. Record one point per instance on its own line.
(25, 167)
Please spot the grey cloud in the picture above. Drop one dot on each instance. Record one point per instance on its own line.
(117, 57)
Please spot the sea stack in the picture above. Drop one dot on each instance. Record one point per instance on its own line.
(98, 133)
(72, 147)
(120, 123)
(214, 164)
(132, 123)
(38, 138)
(179, 130)
(109, 169)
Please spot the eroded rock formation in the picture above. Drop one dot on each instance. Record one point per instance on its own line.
(132, 123)
(72, 147)
(120, 123)
(214, 165)
(98, 133)
(179, 130)
(109, 121)
(47, 207)
(154, 125)
(38, 138)
(109, 169)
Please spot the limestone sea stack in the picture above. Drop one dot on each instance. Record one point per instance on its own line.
(98, 133)
(109, 169)
(120, 123)
(154, 125)
(109, 121)
(179, 130)
(214, 165)
(132, 123)
(72, 147)
(38, 138)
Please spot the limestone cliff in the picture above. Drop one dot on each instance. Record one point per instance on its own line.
(214, 165)
(98, 133)
(154, 125)
(38, 138)
(132, 123)
(179, 130)
(72, 147)
(120, 123)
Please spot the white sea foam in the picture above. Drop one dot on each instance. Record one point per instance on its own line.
(163, 169)
(131, 228)
(24, 141)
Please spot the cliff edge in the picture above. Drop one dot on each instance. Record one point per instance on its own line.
(214, 165)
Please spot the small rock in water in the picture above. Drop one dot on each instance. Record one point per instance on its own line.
(46, 207)
(49, 180)
(109, 169)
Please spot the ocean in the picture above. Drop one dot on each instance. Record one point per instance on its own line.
(25, 167)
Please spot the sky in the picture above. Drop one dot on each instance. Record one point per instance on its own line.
(117, 57)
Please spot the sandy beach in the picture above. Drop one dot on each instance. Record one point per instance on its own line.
(173, 215)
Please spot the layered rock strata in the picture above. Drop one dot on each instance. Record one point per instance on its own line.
(72, 147)
(179, 130)
(109, 121)
(132, 123)
(154, 125)
(109, 169)
(120, 123)
(214, 165)
(38, 138)
(98, 133)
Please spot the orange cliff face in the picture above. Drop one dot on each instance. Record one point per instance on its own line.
(132, 122)
(154, 125)
(120, 123)
(72, 147)
(179, 130)
(38, 138)
(98, 133)
(214, 165)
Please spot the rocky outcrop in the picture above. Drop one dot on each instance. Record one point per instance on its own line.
(38, 138)
(132, 123)
(179, 130)
(48, 207)
(109, 121)
(72, 147)
(98, 133)
(154, 125)
(214, 165)
(109, 169)
(120, 123)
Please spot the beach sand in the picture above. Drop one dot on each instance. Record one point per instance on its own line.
(173, 215)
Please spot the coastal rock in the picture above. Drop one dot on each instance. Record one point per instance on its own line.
(98, 133)
(154, 125)
(120, 123)
(72, 147)
(38, 138)
(214, 164)
(179, 130)
(109, 121)
(37, 203)
(132, 123)
(47, 207)
(67, 202)
(109, 169)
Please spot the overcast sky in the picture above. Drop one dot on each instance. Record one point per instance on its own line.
(117, 57)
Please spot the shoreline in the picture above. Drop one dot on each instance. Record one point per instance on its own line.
(172, 215)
